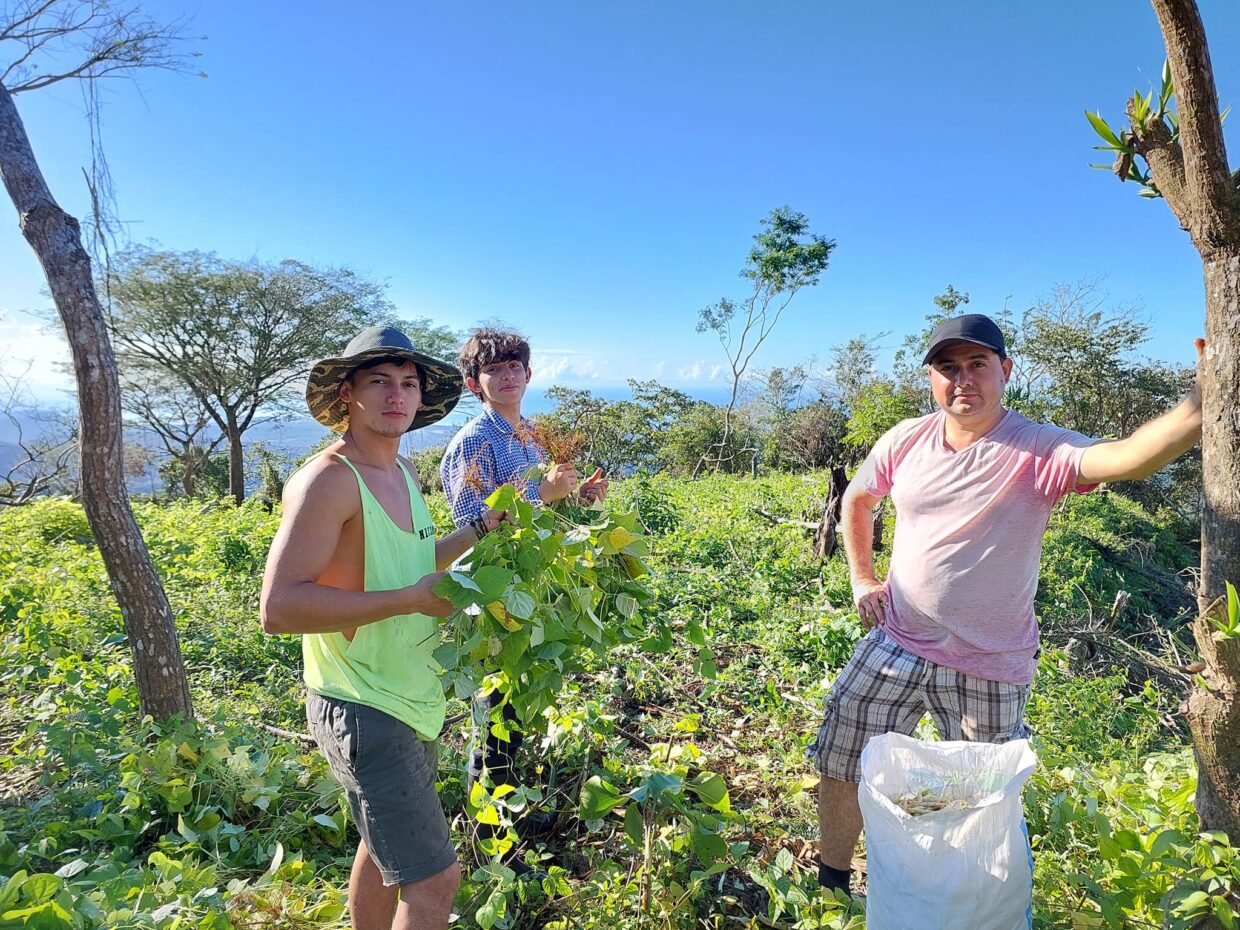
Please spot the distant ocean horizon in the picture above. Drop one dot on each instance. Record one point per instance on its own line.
(295, 435)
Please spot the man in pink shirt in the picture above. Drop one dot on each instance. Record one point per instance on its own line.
(952, 629)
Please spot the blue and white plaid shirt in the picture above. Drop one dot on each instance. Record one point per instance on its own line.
(486, 441)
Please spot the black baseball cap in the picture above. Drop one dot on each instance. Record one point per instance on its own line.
(968, 327)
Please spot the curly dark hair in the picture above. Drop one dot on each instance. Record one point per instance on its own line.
(487, 345)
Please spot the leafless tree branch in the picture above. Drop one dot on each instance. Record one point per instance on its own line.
(48, 41)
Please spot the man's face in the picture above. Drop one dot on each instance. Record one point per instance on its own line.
(967, 380)
(503, 383)
(383, 399)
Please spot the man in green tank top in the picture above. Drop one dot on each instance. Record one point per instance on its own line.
(351, 570)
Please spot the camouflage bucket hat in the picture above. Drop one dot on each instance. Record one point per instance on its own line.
(443, 381)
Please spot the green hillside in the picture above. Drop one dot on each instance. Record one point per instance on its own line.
(685, 798)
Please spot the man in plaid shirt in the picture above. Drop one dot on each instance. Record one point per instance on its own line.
(495, 448)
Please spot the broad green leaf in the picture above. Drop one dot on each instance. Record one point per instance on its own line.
(712, 789)
(654, 786)
(695, 634)
(520, 604)
(598, 798)
(459, 589)
(46, 916)
(1127, 839)
(488, 814)
(41, 887)
(1223, 912)
(626, 605)
(185, 830)
(1164, 841)
(708, 845)
(72, 868)
(448, 655)
(502, 498)
(634, 566)
(492, 910)
(463, 685)
(497, 610)
(621, 537)
(1233, 606)
(1192, 904)
(633, 824)
(11, 890)
(783, 860)
(325, 820)
(492, 581)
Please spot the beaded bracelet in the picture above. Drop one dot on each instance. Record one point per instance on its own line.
(479, 526)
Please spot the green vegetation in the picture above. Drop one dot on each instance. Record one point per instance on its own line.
(685, 799)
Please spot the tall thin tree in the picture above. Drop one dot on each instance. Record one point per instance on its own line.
(1186, 164)
(96, 39)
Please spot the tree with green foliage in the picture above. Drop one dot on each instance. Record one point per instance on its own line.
(622, 435)
(731, 441)
(878, 407)
(785, 258)
(238, 335)
(44, 42)
(164, 406)
(807, 437)
(907, 368)
(853, 368)
(1185, 163)
(1079, 364)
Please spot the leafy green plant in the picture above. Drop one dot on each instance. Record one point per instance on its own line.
(549, 594)
(1228, 626)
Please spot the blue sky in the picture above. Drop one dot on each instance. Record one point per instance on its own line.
(593, 172)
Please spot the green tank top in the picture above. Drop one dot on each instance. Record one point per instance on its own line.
(388, 665)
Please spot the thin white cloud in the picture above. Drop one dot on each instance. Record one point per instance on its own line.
(35, 354)
(552, 365)
(701, 370)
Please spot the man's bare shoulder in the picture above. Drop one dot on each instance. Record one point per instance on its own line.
(326, 484)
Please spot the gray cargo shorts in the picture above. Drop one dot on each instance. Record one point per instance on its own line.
(388, 773)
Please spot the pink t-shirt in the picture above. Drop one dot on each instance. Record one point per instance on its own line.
(968, 537)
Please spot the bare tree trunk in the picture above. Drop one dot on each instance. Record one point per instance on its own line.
(236, 467)
(1214, 712)
(189, 466)
(56, 239)
(879, 512)
(824, 536)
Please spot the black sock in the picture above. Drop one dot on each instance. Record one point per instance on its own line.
(834, 879)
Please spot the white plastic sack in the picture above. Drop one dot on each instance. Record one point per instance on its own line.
(946, 870)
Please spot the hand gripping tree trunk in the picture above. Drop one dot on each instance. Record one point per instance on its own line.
(1192, 174)
(56, 239)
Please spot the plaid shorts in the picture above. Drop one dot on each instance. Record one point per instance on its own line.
(886, 689)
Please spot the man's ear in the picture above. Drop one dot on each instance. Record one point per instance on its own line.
(1007, 369)
(528, 373)
(345, 391)
(472, 385)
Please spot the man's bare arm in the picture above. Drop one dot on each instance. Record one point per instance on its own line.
(857, 518)
(1153, 444)
(453, 546)
(318, 500)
